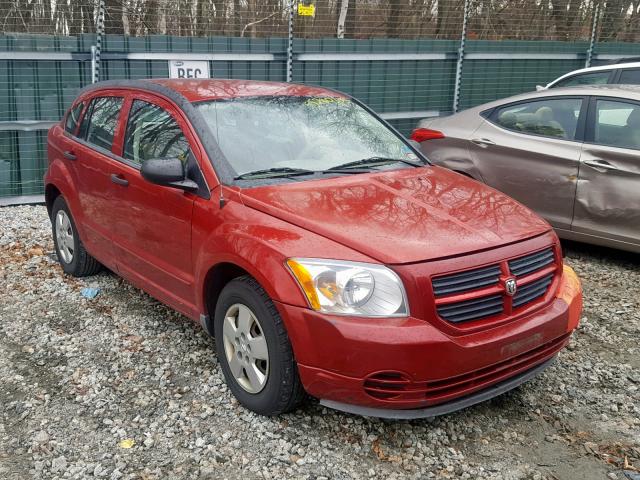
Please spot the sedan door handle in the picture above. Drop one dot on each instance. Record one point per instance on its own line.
(118, 180)
(69, 155)
(483, 142)
(600, 164)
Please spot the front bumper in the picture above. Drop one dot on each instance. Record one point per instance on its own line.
(444, 408)
(409, 364)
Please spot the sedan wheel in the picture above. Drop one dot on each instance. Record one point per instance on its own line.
(246, 348)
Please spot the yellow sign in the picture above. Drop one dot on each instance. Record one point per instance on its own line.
(306, 10)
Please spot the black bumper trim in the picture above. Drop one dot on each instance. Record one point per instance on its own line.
(444, 408)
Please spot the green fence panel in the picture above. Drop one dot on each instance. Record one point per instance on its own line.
(44, 89)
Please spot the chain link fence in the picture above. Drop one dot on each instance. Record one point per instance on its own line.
(407, 59)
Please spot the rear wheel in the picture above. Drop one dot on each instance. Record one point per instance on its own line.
(71, 253)
(254, 350)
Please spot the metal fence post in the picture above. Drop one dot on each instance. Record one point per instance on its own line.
(290, 43)
(463, 38)
(97, 48)
(594, 33)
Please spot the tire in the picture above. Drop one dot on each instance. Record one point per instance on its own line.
(71, 253)
(281, 390)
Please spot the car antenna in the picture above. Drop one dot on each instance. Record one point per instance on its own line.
(222, 200)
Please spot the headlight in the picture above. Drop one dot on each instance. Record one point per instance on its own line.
(350, 288)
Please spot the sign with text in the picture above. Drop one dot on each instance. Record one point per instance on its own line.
(306, 10)
(188, 69)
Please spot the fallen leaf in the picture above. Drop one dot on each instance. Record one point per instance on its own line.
(127, 443)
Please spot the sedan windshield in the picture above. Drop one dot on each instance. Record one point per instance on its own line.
(287, 135)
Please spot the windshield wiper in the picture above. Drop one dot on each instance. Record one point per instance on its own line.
(274, 173)
(373, 162)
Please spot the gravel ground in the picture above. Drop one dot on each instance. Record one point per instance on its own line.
(122, 387)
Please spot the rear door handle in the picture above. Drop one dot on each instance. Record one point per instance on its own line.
(69, 155)
(600, 164)
(118, 180)
(483, 142)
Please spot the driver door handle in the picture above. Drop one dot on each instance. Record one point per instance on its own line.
(600, 164)
(483, 142)
(118, 180)
(69, 155)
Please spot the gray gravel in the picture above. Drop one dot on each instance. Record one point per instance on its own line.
(78, 377)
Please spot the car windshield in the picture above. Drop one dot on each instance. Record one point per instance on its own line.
(282, 133)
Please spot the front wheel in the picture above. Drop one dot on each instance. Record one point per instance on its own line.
(254, 350)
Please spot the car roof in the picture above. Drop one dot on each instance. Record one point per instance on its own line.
(599, 68)
(632, 92)
(198, 90)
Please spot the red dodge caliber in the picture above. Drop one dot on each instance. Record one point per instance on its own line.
(318, 246)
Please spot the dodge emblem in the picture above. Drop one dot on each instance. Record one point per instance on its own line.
(510, 286)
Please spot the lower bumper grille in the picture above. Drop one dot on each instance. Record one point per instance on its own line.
(395, 386)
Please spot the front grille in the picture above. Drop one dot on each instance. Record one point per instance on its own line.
(477, 293)
(531, 263)
(466, 281)
(472, 309)
(533, 290)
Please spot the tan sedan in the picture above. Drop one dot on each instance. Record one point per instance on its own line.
(570, 154)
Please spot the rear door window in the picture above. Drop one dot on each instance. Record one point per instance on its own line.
(617, 124)
(630, 76)
(593, 78)
(100, 122)
(152, 133)
(73, 118)
(557, 117)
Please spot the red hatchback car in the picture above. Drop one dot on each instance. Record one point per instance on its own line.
(315, 243)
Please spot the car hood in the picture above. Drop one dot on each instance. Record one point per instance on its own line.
(401, 216)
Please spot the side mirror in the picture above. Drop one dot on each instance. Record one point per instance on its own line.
(168, 172)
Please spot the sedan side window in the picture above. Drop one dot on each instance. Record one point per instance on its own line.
(153, 133)
(99, 123)
(630, 76)
(73, 118)
(556, 117)
(617, 124)
(594, 78)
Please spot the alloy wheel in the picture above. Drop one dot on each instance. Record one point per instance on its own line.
(245, 348)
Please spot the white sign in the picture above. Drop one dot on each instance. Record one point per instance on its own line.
(188, 69)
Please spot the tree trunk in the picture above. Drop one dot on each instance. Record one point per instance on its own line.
(150, 17)
(113, 23)
(394, 19)
(342, 17)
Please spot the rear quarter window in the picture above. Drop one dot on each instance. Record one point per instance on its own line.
(73, 118)
(593, 78)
